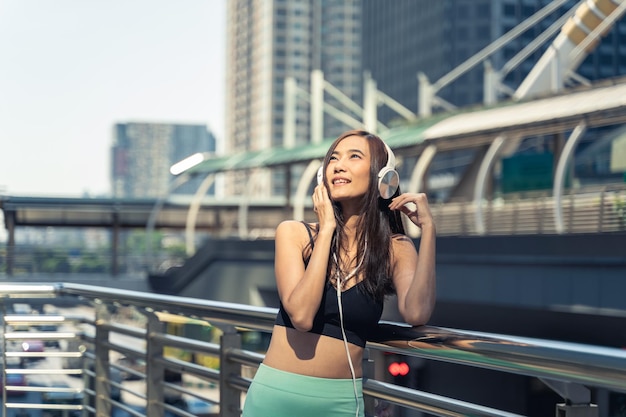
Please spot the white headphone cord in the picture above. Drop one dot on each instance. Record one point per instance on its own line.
(345, 343)
(343, 331)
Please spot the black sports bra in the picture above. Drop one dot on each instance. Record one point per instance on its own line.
(361, 313)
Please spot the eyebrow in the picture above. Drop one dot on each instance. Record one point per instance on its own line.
(350, 151)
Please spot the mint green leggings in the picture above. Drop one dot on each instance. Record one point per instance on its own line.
(276, 393)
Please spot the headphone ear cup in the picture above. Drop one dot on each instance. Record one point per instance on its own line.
(320, 175)
(388, 177)
(388, 182)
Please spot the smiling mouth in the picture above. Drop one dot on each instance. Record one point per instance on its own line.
(340, 181)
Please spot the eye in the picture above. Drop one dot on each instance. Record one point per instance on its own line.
(355, 155)
(332, 158)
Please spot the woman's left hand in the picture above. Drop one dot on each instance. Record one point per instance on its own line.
(420, 215)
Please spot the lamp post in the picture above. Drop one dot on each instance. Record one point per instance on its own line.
(180, 171)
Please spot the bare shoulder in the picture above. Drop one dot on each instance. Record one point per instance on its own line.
(292, 238)
(294, 229)
(399, 239)
(401, 245)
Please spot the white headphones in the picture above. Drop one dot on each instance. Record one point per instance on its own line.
(388, 178)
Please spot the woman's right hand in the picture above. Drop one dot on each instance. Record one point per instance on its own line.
(323, 208)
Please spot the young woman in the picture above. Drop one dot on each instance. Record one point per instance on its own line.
(332, 279)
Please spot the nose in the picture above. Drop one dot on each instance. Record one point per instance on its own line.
(338, 165)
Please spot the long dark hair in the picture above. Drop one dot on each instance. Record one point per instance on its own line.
(376, 224)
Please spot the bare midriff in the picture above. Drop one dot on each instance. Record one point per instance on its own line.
(312, 354)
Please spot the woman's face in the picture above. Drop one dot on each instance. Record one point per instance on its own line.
(348, 170)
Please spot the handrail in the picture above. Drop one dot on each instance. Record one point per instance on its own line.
(425, 341)
(568, 363)
(540, 358)
(259, 318)
(526, 356)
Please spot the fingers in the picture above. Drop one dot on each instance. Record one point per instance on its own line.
(414, 206)
(320, 196)
(419, 199)
(322, 206)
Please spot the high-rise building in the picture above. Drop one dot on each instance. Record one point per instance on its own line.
(144, 152)
(404, 37)
(269, 41)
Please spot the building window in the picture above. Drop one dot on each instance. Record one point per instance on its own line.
(509, 10)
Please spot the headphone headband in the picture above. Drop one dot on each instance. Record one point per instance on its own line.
(391, 160)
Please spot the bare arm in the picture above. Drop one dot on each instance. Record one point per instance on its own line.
(414, 274)
(300, 288)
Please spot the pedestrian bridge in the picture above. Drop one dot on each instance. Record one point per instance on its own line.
(586, 210)
(513, 376)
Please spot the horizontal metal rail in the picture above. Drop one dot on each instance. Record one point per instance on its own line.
(429, 403)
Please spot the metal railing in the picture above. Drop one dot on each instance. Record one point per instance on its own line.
(588, 210)
(105, 333)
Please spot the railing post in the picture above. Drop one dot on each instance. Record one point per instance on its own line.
(155, 371)
(9, 221)
(3, 364)
(86, 377)
(601, 215)
(464, 227)
(230, 398)
(515, 215)
(576, 410)
(369, 372)
(577, 399)
(102, 368)
(540, 214)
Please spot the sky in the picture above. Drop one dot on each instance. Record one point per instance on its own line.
(71, 69)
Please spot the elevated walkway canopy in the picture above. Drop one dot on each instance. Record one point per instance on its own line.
(602, 104)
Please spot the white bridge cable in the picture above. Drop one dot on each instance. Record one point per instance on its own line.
(536, 43)
(497, 44)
